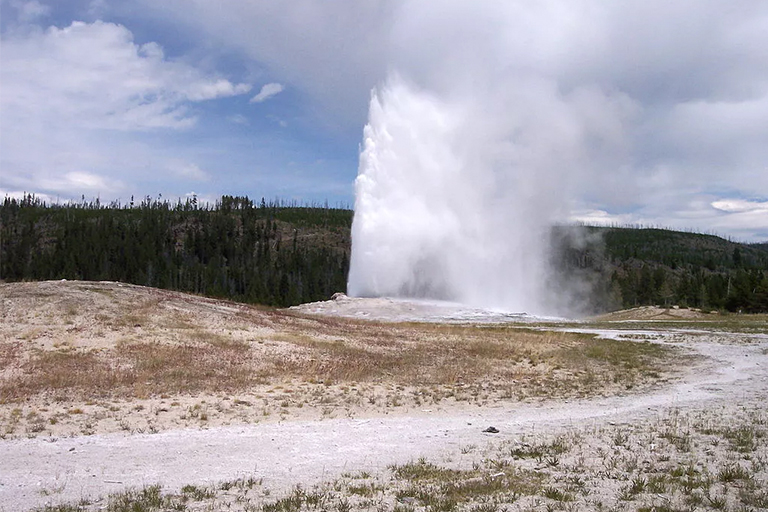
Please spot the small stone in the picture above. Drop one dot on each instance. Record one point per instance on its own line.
(491, 430)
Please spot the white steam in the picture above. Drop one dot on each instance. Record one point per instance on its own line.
(456, 192)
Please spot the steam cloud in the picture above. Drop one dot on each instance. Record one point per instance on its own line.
(463, 169)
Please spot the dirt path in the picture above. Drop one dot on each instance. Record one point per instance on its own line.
(36, 472)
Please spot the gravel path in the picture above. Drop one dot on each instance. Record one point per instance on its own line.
(36, 472)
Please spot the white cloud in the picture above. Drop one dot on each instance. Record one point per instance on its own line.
(742, 206)
(87, 181)
(93, 75)
(238, 119)
(267, 91)
(745, 220)
(81, 101)
(73, 184)
(212, 90)
(31, 11)
(600, 218)
(187, 170)
(663, 106)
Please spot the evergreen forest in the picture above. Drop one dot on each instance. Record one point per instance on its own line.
(281, 254)
(266, 253)
(624, 267)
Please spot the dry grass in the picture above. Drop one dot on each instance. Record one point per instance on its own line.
(134, 370)
(127, 342)
(533, 363)
(9, 353)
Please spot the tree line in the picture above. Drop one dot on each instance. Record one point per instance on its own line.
(281, 254)
(265, 253)
(627, 267)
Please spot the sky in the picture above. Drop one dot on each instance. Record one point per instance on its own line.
(664, 104)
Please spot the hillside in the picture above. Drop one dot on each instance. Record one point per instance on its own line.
(628, 267)
(675, 248)
(121, 397)
(117, 354)
(268, 253)
(278, 254)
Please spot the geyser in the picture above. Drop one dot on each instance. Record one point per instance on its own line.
(454, 201)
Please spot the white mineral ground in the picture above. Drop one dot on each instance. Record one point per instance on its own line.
(35, 472)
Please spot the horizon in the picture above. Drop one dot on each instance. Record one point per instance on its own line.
(277, 202)
(661, 111)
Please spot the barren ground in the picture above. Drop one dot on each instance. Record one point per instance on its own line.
(106, 387)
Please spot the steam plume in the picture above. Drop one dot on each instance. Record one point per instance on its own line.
(469, 157)
(453, 204)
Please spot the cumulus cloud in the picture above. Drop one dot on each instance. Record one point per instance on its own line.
(267, 91)
(740, 206)
(30, 11)
(743, 219)
(187, 170)
(82, 101)
(663, 106)
(94, 75)
(669, 102)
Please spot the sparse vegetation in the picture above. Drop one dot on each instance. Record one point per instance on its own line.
(502, 477)
(204, 362)
(177, 345)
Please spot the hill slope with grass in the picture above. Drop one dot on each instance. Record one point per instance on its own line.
(82, 357)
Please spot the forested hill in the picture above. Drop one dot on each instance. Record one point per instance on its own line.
(278, 254)
(266, 253)
(627, 267)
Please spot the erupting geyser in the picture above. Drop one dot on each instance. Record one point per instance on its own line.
(486, 129)
(453, 202)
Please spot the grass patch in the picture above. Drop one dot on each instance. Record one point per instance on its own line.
(517, 362)
(9, 353)
(625, 354)
(541, 451)
(174, 344)
(440, 488)
(743, 439)
(134, 370)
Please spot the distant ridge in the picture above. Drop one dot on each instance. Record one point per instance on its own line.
(281, 254)
(629, 267)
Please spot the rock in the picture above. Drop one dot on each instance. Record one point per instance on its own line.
(339, 296)
(491, 430)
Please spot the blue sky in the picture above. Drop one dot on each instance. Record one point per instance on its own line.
(138, 97)
(226, 141)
